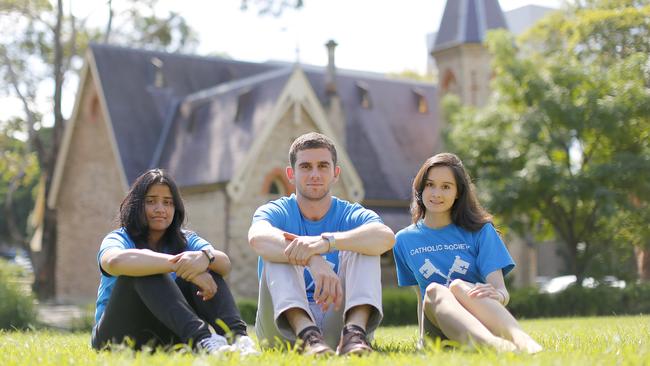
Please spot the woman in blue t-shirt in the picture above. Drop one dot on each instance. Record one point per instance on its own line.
(161, 285)
(456, 257)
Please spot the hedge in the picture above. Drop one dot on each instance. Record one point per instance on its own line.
(400, 305)
(579, 301)
(17, 310)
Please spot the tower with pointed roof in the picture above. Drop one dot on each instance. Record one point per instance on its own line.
(462, 60)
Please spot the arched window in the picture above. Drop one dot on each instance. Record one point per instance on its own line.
(274, 188)
(276, 183)
(449, 83)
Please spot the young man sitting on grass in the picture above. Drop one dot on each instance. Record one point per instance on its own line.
(319, 271)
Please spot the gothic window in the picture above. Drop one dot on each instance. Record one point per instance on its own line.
(94, 108)
(449, 83)
(276, 184)
(274, 189)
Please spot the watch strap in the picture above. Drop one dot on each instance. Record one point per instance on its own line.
(208, 254)
(331, 241)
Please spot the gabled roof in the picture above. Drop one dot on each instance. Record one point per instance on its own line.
(206, 142)
(137, 108)
(390, 140)
(193, 126)
(467, 21)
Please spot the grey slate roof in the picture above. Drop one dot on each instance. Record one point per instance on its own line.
(467, 21)
(190, 126)
(138, 110)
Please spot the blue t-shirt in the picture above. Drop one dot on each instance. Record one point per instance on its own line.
(121, 240)
(285, 215)
(424, 255)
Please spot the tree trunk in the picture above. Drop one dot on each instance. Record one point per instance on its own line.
(642, 263)
(45, 276)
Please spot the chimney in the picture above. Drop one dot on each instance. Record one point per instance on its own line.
(333, 105)
(330, 75)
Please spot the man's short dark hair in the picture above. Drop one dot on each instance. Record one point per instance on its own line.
(311, 140)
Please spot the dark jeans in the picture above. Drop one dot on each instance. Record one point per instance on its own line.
(156, 310)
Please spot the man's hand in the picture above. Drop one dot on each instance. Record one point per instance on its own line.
(190, 264)
(328, 289)
(302, 248)
(206, 284)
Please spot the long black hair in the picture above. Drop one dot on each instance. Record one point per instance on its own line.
(134, 219)
(466, 211)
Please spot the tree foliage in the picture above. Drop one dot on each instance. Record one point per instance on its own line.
(272, 7)
(42, 45)
(562, 149)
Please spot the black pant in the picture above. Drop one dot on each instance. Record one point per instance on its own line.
(155, 310)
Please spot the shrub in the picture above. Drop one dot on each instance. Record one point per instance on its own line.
(635, 299)
(400, 306)
(248, 310)
(84, 322)
(580, 301)
(528, 303)
(17, 309)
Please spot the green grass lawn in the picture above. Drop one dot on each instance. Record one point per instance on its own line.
(568, 341)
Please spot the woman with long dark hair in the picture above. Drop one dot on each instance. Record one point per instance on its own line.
(455, 256)
(160, 284)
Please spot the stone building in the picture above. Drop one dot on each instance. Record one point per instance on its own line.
(223, 129)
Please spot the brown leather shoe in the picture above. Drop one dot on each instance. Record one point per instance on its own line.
(353, 341)
(312, 342)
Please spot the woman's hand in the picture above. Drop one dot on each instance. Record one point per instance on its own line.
(206, 284)
(190, 264)
(481, 290)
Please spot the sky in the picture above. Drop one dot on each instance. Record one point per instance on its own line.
(373, 35)
(386, 36)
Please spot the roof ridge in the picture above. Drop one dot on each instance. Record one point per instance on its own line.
(223, 88)
(94, 45)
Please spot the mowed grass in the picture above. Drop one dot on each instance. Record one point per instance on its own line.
(568, 341)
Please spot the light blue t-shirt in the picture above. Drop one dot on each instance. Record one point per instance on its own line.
(424, 255)
(121, 240)
(285, 215)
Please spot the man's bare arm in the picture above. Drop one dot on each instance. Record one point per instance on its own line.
(267, 241)
(369, 239)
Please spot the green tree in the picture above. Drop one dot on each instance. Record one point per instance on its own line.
(42, 45)
(18, 177)
(562, 147)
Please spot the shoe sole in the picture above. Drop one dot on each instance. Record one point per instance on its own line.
(359, 351)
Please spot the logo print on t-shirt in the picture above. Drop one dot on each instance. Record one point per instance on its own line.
(429, 269)
(459, 266)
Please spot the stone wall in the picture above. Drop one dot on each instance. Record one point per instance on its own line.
(88, 201)
(205, 212)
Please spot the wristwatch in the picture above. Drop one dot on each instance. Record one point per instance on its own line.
(330, 240)
(208, 253)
